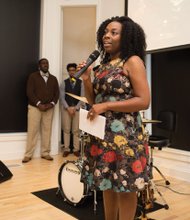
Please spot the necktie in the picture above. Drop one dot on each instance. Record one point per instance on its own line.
(45, 74)
(73, 80)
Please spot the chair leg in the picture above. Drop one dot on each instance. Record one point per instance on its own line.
(161, 174)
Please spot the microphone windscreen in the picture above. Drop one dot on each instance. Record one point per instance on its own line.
(94, 55)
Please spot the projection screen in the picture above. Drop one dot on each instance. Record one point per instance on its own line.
(165, 22)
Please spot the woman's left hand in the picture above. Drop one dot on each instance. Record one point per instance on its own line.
(96, 109)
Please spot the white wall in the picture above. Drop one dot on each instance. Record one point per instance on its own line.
(12, 145)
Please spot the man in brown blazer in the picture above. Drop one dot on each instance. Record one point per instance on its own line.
(43, 94)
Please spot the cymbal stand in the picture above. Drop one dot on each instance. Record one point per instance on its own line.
(152, 181)
(83, 141)
(151, 166)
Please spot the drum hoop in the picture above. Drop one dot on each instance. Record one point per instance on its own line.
(85, 190)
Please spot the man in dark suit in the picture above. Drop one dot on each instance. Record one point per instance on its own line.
(70, 109)
(43, 94)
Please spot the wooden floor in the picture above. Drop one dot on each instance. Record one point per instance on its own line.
(17, 202)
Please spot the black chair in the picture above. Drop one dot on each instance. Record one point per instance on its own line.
(167, 127)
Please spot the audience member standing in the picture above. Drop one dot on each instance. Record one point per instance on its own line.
(70, 109)
(43, 94)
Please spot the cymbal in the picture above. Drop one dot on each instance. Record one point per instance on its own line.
(146, 121)
(80, 98)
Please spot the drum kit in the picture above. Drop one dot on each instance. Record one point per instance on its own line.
(146, 197)
(70, 174)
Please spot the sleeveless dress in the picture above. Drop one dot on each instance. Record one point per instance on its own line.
(118, 162)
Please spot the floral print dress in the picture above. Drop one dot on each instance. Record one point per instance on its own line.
(118, 162)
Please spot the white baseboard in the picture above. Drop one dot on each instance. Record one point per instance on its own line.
(12, 146)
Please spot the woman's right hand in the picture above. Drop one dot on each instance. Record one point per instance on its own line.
(86, 75)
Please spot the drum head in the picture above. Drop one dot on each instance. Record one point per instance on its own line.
(69, 182)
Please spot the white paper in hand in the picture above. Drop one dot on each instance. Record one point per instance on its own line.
(95, 127)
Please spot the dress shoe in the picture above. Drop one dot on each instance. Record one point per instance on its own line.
(66, 153)
(47, 157)
(76, 153)
(26, 159)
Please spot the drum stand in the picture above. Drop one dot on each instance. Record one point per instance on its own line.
(83, 139)
(145, 201)
(147, 195)
(95, 202)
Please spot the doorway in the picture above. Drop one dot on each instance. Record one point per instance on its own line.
(79, 34)
(79, 39)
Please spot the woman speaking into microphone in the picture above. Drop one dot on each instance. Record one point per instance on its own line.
(117, 165)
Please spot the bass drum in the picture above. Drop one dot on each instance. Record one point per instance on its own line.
(72, 189)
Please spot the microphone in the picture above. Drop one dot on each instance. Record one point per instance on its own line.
(93, 56)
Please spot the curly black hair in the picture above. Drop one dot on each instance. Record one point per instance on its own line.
(132, 39)
(69, 65)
